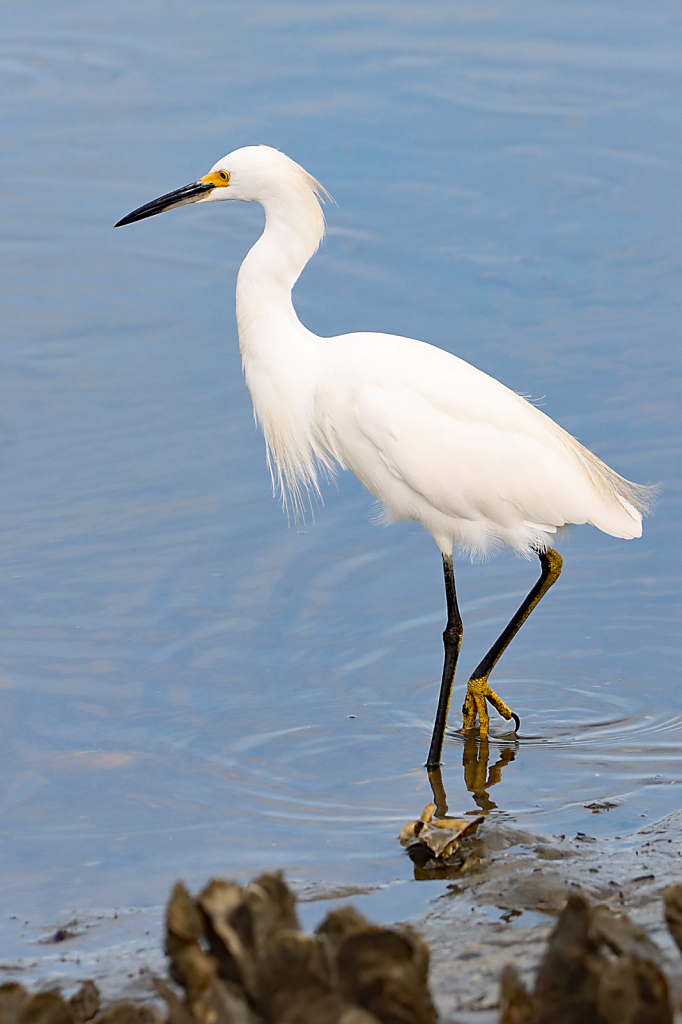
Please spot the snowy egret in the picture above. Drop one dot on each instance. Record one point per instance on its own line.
(432, 437)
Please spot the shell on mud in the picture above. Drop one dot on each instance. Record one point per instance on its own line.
(438, 837)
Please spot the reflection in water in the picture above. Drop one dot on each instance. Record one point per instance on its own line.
(478, 778)
(438, 789)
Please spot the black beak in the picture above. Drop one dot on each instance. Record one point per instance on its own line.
(181, 196)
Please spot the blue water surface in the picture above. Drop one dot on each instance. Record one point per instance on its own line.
(189, 683)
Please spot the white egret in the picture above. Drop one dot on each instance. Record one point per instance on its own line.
(432, 437)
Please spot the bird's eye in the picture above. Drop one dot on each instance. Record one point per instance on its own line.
(224, 175)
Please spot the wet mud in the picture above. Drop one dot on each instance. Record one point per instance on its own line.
(507, 887)
(237, 955)
(531, 929)
(502, 905)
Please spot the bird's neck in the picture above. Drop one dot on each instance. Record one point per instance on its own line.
(279, 355)
(293, 231)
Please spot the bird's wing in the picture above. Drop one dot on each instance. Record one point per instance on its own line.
(466, 443)
(468, 468)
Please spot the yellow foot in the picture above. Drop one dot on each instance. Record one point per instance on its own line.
(478, 692)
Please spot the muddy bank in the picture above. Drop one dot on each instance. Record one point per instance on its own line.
(501, 905)
(501, 908)
(237, 955)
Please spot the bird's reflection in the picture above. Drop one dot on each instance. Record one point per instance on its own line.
(478, 777)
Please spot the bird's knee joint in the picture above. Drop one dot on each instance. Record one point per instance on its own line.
(554, 564)
(452, 636)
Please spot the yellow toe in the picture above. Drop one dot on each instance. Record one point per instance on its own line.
(478, 692)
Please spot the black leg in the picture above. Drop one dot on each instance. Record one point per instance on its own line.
(478, 690)
(452, 639)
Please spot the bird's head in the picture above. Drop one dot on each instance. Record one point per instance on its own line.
(251, 174)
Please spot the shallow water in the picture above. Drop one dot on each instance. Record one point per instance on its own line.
(190, 685)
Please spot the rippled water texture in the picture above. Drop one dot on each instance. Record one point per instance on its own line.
(191, 685)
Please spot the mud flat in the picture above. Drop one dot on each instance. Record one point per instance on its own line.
(501, 906)
(505, 893)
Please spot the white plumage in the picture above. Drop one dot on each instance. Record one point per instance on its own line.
(432, 437)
